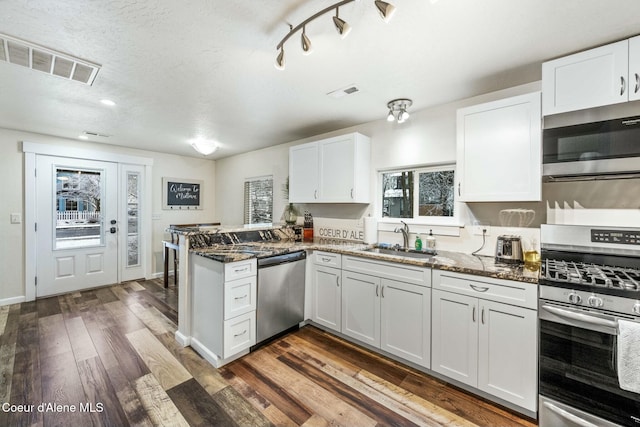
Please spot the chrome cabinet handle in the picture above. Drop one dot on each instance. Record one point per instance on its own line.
(352, 193)
(338, 281)
(315, 194)
(458, 188)
(623, 85)
(473, 315)
(478, 288)
(482, 316)
(326, 259)
(377, 291)
(240, 334)
(382, 292)
(240, 270)
(637, 83)
(242, 297)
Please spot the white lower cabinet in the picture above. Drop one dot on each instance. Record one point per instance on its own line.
(386, 313)
(484, 343)
(223, 318)
(326, 290)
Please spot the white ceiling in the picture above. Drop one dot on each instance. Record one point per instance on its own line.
(204, 68)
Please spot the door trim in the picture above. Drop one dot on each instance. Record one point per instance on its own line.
(30, 150)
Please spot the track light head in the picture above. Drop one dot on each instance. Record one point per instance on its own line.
(390, 116)
(306, 43)
(341, 26)
(280, 60)
(386, 10)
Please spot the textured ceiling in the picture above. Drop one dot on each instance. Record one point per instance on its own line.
(204, 68)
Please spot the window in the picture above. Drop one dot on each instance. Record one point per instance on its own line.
(419, 193)
(258, 200)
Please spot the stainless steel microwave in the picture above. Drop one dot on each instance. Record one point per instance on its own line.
(607, 149)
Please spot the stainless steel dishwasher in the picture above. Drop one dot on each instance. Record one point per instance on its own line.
(280, 304)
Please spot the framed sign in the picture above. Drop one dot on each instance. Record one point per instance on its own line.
(181, 194)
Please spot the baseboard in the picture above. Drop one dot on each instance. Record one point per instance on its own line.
(13, 300)
(182, 339)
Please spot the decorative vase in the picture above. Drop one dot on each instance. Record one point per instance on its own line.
(290, 214)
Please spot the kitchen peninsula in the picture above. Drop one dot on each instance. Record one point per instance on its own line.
(446, 281)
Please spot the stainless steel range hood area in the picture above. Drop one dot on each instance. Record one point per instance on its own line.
(592, 144)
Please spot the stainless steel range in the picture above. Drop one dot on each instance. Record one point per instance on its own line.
(589, 311)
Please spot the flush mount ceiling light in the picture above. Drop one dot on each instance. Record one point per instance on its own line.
(386, 11)
(204, 147)
(398, 110)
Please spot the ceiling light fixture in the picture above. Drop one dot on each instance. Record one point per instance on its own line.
(386, 11)
(398, 110)
(204, 147)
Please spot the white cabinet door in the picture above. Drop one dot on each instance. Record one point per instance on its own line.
(405, 321)
(454, 341)
(361, 307)
(326, 298)
(634, 68)
(586, 79)
(303, 173)
(499, 150)
(333, 170)
(507, 356)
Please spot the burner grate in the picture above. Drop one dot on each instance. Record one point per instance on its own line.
(591, 275)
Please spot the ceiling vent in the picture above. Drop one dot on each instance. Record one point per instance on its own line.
(339, 93)
(90, 133)
(40, 58)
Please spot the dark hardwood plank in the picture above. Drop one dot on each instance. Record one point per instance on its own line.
(61, 385)
(132, 366)
(47, 307)
(241, 411)
(198, 407)
(101, 399)
(54, 339)
(278, 395)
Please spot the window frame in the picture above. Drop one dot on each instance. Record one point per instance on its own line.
(452, 221)
(247, 203)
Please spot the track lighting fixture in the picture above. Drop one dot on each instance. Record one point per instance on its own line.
(306, 43)
(398, 110)
(343, 28)
(386, 11)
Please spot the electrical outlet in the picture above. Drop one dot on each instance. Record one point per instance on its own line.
(476, 229)
(16, 218)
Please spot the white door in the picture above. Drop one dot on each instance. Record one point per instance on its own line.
(406, 321)
(303, 173)
(454, 344)
(361, 307)
(76, 224)
(336, 169)
(131, 222)
(507, 356)
(327, 294)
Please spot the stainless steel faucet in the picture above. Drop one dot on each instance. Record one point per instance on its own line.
(405, 234)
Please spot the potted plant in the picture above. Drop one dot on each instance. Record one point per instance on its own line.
(290, 211)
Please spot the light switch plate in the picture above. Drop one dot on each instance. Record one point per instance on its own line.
(16, 218)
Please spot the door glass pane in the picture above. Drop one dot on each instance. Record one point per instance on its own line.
(78, 199)
(133, 219)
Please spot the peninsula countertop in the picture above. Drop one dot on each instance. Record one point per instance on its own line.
(443, 260)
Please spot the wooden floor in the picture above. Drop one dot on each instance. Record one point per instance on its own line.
(108, 357)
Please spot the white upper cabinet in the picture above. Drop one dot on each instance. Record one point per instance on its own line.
(499, 150)
(592, 78)
(333, 170)
(634, 68)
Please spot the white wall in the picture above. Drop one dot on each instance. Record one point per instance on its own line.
(12, 263)
(429, 137)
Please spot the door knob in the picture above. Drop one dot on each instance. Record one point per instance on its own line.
(112, 230)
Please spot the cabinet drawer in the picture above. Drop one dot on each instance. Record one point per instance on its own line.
(239, 297)
(507, 291)
(239, 333)
(388, 270)
(240, 269)
(328, 259)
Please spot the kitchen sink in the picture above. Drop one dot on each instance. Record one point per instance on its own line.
(411, 253)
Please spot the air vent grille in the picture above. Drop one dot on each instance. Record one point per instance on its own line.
(348, 90)
(40, 58)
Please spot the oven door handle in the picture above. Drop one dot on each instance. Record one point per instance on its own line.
(580, 317)
(568, 415)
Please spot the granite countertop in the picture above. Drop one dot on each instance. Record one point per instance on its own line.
(444, 260)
